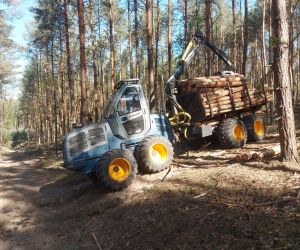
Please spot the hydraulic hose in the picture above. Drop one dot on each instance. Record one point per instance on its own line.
(186, 115)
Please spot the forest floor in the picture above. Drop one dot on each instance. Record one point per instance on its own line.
(209, 201)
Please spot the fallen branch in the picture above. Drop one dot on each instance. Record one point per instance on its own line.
(248, 205)
(168, 173)
(98, 245)
(188, 167)
(275, 202)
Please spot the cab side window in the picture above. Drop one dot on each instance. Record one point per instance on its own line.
(129, 102)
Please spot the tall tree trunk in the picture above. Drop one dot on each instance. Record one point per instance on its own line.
(162, 76)
(292, 78)
(137, 40)
(270, 62)
(47, 95)
(130, 43)
(83, 76)
(298, 60)
(101, 87)
(54, 97)
(198, 55)
(169, 37)
(121, 58)
(61, 88)
(112, 47)
(242, 35)
(150, 53)
(234, 35)
(285, 112)
(264, 57)
(207, 27)
(69, 63)
(245, 50)
(185, 32)
(1, 103)
(96, 100)
(156, 61)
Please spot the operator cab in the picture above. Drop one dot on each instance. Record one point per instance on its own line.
(127, 110)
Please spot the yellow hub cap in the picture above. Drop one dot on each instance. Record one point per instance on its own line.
(238, 132)
(119, 169)
(158, 153)
(258, 127)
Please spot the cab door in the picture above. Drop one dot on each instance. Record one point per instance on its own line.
(133, 112)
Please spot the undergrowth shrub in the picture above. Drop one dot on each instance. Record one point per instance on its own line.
(19, 135)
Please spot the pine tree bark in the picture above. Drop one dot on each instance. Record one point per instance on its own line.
(112, 46)
(150, 53)
(292, 77)
(96, 99)
(234, 35)
(162, 76)
(156, 61)
(83, 76)
(137, 40)
(270, 62)
(101, 87)
(69, 63)
(286, 123)
(48, 108)
(130, 43)
(61, 89)
(121, 57)
(169, 37)
(207, 27)
(185, 33)
(54, 96)
(245, 50)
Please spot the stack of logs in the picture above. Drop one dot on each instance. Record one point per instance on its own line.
(219, 93)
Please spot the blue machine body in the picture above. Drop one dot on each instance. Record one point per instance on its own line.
(83, 147)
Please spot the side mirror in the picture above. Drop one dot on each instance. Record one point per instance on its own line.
(77, 125)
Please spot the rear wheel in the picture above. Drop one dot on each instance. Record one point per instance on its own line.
(255, 126)
(232, 133)
(116, 169)
(154, 153)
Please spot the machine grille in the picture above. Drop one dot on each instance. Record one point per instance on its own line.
(96, 135)
(75, 149)
(78, 143)
(77, 138)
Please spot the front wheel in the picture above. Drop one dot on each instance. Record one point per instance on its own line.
(92, 176)
(255, 126)
(116, 169)
(232, 133)
(154, 153)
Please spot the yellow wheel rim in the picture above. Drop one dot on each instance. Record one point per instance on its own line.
(258, 127)
(238, 132)
(158, 153)
(119, 169)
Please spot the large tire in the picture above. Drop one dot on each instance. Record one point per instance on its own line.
(255, 126)
(232, 133)
(92, 176)
(154, 153)
(116, 169)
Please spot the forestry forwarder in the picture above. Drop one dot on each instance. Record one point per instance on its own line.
(130, 137)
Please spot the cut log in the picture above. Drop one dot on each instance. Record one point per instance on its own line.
(267, 153)
(247, 156)
(239, 157)
(184, 82)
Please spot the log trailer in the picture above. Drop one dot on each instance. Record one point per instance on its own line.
(130, 137)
